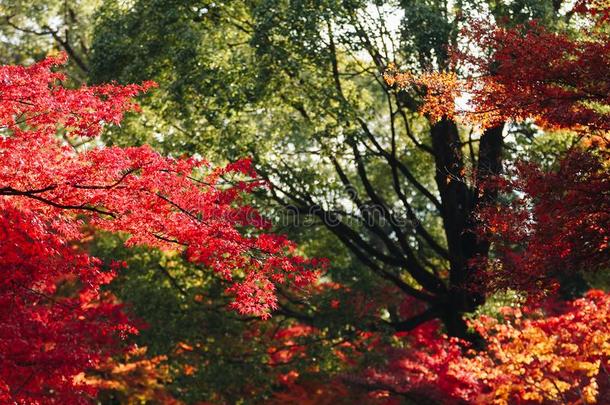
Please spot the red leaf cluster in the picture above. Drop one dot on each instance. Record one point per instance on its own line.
(552, 224)
(557, 78)
(529, 359)
(49, 190)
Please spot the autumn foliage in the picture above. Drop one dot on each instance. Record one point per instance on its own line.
(558, 79)
(548, 226)
(133, 378)
(555, 225)
(62, 333)
(56, 320)
(531, 357)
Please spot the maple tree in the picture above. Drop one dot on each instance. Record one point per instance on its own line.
(547, 227)
(525, 71)
(559, 80)
(553, 228)
(56, 321)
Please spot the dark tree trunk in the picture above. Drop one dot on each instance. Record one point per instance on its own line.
(459, 202)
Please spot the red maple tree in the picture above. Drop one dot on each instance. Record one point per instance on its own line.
(557, 78)
(548, 225)
(552, 226)
(55, 320)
